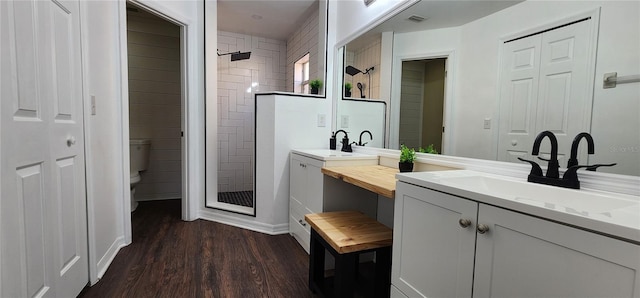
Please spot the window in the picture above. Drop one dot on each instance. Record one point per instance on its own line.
(301, 75)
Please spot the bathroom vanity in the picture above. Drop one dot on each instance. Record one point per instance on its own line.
(465, 233)
(307, 188)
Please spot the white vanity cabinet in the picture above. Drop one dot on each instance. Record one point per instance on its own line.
(305, 195)
(306, 186)
(501, 253)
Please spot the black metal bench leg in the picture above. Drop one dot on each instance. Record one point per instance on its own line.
(383, 272)
(345, 275)
(316, 263)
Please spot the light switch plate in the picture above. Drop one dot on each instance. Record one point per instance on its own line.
(322, 120)
(344, 121)
(487, 123)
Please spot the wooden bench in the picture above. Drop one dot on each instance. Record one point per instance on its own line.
(346, 235)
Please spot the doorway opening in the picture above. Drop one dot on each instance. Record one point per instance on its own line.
(156, 107)
(422, 99)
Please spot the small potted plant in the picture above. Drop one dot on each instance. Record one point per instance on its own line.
(347, 89)
(315, 86)
(407, 157)
(429, 149)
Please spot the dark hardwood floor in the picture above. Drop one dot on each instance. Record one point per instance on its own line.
(173, 258)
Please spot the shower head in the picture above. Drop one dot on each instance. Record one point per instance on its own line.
(240, 56)
(352, 71)
(235, 56)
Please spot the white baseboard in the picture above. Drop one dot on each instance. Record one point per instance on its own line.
(108, 257)
(157, 198)
(237, 221)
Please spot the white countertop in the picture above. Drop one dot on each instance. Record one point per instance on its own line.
(613, 214)
(326, 154)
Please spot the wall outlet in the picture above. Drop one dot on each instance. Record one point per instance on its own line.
(487, 123)
(344, 121)
(322, 120)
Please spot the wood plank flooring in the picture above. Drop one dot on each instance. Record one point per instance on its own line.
(173, 258)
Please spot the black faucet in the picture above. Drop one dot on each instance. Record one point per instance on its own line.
(552, 167)
(570, 176)
(346, 147)
(573, 160)
(360, 143)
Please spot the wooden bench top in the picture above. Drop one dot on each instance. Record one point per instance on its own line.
(350, 231)
(375, 178)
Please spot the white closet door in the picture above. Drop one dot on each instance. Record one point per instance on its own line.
(43, 206)
(519, 94)
(564, 101)
(545, 86)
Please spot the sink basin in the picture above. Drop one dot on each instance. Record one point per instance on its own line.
(326, 154)
(550, 197)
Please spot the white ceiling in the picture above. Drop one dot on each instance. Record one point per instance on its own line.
(437, 14)
(276, 19)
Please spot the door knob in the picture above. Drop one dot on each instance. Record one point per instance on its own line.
(465, 223)
(71, 141)
(482, 228)
(514, 142)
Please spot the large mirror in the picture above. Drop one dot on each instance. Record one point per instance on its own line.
(480, 79)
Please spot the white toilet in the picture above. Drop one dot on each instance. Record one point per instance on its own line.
(138, 162)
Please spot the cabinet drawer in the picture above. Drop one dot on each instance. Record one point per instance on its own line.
(297, 212)
(300, 233)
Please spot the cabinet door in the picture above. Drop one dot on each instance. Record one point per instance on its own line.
(432, 253)
(524, 256)
(313, 188)
(297, 180)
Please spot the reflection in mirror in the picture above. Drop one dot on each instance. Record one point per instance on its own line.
(362, 67)
(422, 103)
(492, 107)
(357, 115)
(286, 56)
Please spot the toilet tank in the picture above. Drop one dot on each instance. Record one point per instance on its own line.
(139, 154)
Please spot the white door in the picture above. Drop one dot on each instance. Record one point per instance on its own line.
(43, 206)
(545, 86)
(524, 256)
(519, 93)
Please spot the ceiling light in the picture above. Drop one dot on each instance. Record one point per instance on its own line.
(256, 17)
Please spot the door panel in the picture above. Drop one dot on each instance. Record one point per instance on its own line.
(43, 214)
(545, 87)
(23, 54)
(564, 104)
(64, 49)
(519, 93)
(31, 228)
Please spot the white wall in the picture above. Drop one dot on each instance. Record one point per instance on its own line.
(155, 102)
(238, 81)
(616, 112)
(105, 182)
(108, 173)
(361, 116)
